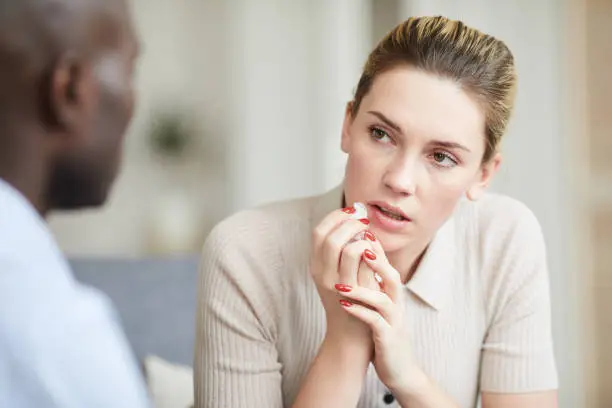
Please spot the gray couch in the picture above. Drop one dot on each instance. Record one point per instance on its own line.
(155, 298)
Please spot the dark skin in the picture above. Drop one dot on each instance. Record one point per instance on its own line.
(66, 98)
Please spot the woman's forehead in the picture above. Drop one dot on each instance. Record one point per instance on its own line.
(423, 103)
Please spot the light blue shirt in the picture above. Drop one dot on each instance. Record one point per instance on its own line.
(60, 342)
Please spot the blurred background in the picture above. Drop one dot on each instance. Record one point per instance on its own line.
(241, 103)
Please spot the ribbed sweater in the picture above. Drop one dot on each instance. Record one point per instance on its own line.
(478, 306)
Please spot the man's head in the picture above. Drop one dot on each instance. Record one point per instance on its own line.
(66, 97)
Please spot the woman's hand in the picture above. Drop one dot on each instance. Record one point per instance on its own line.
(383, 311)
(338, 371)
(336, 258)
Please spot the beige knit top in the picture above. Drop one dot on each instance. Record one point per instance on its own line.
(478, 306)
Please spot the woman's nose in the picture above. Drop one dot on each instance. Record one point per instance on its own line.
(401, 177)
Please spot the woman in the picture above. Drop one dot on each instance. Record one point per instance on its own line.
(290, 312)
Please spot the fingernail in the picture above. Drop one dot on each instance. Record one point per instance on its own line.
(346, 303)
(343, 288)
(349, 210)
(369, 254)
(365, 221)
(370, 236)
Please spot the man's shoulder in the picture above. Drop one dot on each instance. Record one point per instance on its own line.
(66, 341)
(44, 310)
(25, 238)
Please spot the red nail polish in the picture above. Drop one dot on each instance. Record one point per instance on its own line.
(370, 236)
(346, 303)
(342, 287)
(369, 254)
(365, 221)
(349, 210)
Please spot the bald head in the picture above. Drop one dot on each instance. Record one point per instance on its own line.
(35, 33)
(65, 97)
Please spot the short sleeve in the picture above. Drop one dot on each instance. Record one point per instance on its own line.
(517, 355)
(236, 360)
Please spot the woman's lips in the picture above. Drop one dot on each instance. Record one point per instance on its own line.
(384, 221)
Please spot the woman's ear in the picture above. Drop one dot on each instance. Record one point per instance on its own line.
(484, 176)
(346, 126)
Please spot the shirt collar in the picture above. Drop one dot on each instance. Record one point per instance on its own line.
(23, 231)
(432, 281)
(11, 198)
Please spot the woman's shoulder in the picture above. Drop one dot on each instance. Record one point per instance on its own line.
(268, 219)
(271, 230)
(498, 217)
(507, 239)
(245, 260)
(510, 264)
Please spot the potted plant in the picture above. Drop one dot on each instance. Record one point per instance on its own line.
(174, 222)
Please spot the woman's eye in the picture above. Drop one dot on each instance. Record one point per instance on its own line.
(444, 159)
(378, 134)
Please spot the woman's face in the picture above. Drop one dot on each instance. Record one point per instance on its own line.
(414, 148)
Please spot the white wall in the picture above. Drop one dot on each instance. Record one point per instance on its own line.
(293, 66)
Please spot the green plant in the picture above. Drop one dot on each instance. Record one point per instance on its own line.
(170, 135)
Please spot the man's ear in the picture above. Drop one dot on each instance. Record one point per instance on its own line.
(346, 126)
(483, 179)
(68, 96)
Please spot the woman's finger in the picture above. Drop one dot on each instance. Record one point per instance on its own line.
(372, 318)
(366, 277)
(329, 223)
(338, 239)
(373, 299)
(390, 278)
(351, 262)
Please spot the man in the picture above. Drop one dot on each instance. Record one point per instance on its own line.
(66, 99)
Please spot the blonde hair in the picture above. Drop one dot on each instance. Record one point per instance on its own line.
(479, 63)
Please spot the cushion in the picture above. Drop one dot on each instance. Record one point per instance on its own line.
(170, 385)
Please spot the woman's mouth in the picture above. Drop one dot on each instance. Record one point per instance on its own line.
(388, 218)
(391, 214)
